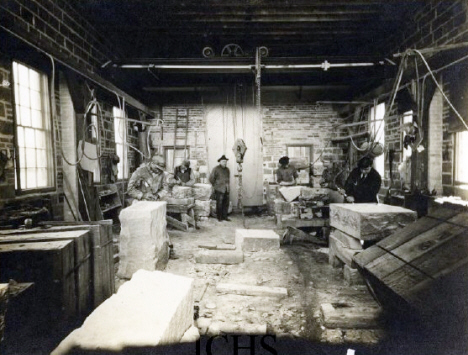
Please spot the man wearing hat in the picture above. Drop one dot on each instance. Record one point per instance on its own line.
(183, 174)
(148, 182)
(219, 178)
(363, 183)
(286, 174)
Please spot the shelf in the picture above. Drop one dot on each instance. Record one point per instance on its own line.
(111, 208)
(108, 194)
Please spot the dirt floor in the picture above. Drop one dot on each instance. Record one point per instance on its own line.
(270, 325)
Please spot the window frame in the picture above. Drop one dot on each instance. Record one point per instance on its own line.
(168, 161)
(456, 165)
(122, 166)
(311, 157)
(46, 99)
(375, 124)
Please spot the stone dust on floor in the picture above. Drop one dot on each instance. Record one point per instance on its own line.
(302, 269)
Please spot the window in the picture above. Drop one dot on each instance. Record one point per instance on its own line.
(406, 120)
(301, 156)
(377, 132)
(33, 129)
(120, 130)
(171, 161)
(461, 152)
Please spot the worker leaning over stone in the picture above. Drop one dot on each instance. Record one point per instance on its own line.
(183, 174)
(149, 181)
(286, 174)
(363, 183)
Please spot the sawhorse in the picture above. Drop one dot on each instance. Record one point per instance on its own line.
(187, 216)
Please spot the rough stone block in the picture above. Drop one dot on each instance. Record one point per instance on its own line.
(202, 192)
(290, 193)
(352, 276)
(219, 257)
(180, 201)
(282, 207)
(144, 242)
(202, 208)
(182, 192)
(369, 221)
(153, 308)
(314, 193)
(249, 290)
(257, 240)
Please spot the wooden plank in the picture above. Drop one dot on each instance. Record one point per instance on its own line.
(440, 259)
(410, 231)
(248, 290)
(103, 273)
(50, 266)
(82, 260)
(176, 224)
(341, 252)
(414, 247)
(349, 317)
(347, 240)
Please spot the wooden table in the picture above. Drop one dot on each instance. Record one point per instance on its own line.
(186, 213)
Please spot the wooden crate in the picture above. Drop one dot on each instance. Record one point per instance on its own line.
(424, 265)
(81, 265)
(102, 255)
(50, 266)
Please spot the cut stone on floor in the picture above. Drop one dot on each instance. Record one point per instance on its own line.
(251, 240)
(151, 309)
(219, 257)
(249, 290)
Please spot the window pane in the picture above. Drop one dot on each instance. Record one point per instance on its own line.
(25, 114)
(40, 139)
(462, 152)
(35, 100)
(36, 119)
(42, 177)
(23, 74)
(31, 178)
(34, 80)
(22, 157)
(23, 178)
(29, 137)
(41, 158)
(24, 96)
(30, 157)
(20, 136)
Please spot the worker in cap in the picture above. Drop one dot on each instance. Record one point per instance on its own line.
(149, 181)
(363, 183)
(286, 174)
(183, 174)
(219, 178)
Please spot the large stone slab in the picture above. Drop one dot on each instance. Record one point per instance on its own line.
(290, 193)
(338, 250)
(248, 290)
(369, 221)
(144, 242)
(153, 308)
(314, 193)
(347, 240)
(257, 240)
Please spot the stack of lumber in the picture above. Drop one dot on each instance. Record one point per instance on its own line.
(355, 224)
(79, 251)
(423, 267)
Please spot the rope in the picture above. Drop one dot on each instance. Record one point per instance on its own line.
(440, 88)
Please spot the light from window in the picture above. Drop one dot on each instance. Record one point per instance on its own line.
(120, 130)
(302, 155)
(405, 120)
(33, 129)
(461, 152)
(377, 132)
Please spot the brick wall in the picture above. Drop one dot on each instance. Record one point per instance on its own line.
(295, 125)
(438, 23)
(55, 26)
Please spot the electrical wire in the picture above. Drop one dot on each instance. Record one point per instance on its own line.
(440, 88)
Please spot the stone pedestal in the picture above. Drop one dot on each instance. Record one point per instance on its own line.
(369, 221)
(144, 242)
(249, 240)
(153, 308)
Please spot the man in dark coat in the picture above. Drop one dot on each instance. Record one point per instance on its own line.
(363, 184)
(183, 174)
(219, 178)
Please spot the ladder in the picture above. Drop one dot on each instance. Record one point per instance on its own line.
(176, 127)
